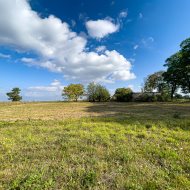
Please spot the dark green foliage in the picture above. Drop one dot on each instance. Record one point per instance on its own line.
(152, 97)
(102, 93)
(123, 94)
(148, 126)
(177, 115)
(178, 69)
(162, 97)
(156, 82)
(97, 92)
(186, 97)
(91, 90)
(185, 65)
(178, 96)
(89, 179)
(145, 97)
(173, 74)
(14, 95)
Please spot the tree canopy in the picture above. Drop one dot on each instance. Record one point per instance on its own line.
(102, 94)
(73, 91)
(177, 74)
(156, 82)
(97, 92)
(14, 95)
(123, 94)
(92, 91)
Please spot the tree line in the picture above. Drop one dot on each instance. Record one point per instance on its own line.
(159, 86)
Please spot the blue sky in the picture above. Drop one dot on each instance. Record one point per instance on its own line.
(45, 45)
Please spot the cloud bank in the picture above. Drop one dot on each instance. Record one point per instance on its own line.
(57, 47)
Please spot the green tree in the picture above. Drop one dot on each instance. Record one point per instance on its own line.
(97, 92)
(92, 91)
(73, 91)
(14, 95)
(185, 65)
(178, 69)
(156, 82)
(102, 94)
(174, 73)
(123, 94)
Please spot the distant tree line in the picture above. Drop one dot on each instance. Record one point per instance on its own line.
(159, 86)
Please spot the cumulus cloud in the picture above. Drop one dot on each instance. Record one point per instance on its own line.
(57, 47)
(101, 28)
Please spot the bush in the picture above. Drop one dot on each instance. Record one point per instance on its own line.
(162, 97)
(103, 94)
(123, 95)
(146, 97)
(97, 92)
(186, 97)
(178, 96)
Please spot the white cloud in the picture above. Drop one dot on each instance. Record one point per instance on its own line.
(50, 92)
(6, 56)
(101, 49)
(57, 48)
(101, 28)
(123, 14)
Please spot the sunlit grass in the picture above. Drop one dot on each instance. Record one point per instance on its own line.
(129, 150)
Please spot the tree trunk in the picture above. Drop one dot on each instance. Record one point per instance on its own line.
(173, 91)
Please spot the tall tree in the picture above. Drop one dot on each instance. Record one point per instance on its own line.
(14, 95)
(73, 91)
(92, 91)
(155, 82)
(97, 92)
(178, 69)
(174, 73)
(102, 94)
(185, 65)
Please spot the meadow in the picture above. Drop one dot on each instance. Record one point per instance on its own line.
(62, 145)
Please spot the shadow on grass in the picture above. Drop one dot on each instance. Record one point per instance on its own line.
(172, 115)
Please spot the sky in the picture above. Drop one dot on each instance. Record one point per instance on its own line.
(46, 45)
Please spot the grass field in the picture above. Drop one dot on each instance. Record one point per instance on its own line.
(57, 145)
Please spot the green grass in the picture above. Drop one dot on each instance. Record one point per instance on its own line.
(126, 146)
